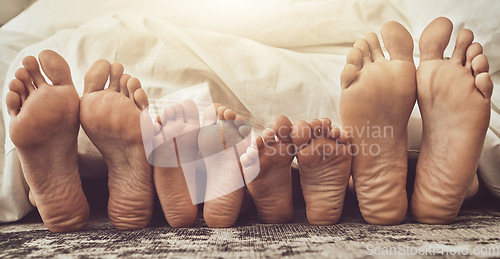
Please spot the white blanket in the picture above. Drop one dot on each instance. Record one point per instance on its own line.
(260, 57)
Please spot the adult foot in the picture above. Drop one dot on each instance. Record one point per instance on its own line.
(267, 170)
(454, 100)
(111, 119)
(174, 170)
(44, 126)
(324, 159)
(375, 104)
(223, 137)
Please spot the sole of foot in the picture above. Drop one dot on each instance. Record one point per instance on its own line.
(44, 127)
(267, 171)
(324, 159)
(111, 119)
(222, 138)
(376, 101)
(177, 130)
(454, 100)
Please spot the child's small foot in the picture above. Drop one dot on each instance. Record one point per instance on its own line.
(324, 158)
(222, 138)
(267, 171)
(174, 162)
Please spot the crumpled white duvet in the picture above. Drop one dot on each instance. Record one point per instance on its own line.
(262, 58)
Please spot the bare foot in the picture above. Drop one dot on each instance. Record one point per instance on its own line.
(222, 138)
(111, 119)
(175, 162)
(375, 104)
(267, 171)
(454, 99)
(324, 159)
(44, 126)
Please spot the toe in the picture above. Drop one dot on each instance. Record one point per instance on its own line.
(55, 67)
(283, 127)
(301, 134)
(473, 50)
(191, 113)
(123, 84)
(244, 128)
(246, 160)
(249, 156)
(23, 75)
(484, 84)
(210, 115)
(268, 136)
(17, 86)
(259, 142)
(435, 38)
(137, 93)
(334, 133)
(240, 121)
(348, 75)
(96, 77)
(374, 46)
(168, 115)
(325, 126)
(363, 47)
(13, 102)
(229, 115)
(116, 72)
(316, 131)
(480, 64)
(252, 152)
(133, 84)
(397, 41)
(464, 40)
(355, 58)
(179, 112)
(220, 112)
(141, 99)
(33, 69)
(343, 138)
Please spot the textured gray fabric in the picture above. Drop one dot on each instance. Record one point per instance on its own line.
(352, 237)
(477, 226)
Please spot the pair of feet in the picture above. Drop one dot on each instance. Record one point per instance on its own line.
(324, 158)
(44, 126)
(377, 99)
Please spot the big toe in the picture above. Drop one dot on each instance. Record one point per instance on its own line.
(397, 41)
(283, 128)
(301, 134)
(191, 112)
(55, 67)
(97, 75)
(435, 38)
